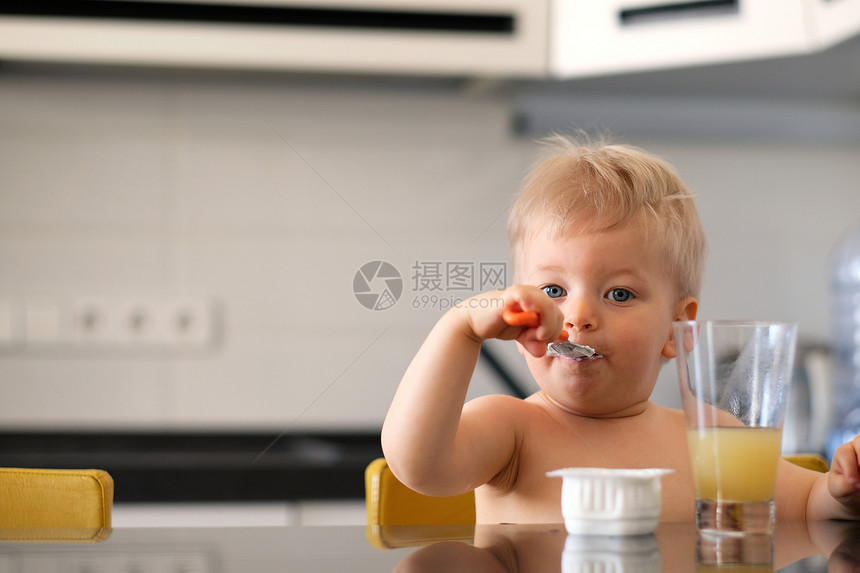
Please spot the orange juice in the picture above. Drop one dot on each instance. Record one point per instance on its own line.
(734, 464)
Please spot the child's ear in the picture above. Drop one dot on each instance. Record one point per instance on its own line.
(686, 310)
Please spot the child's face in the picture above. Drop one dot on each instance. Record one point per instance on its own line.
(616, 296)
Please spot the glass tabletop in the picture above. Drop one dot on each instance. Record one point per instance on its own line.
(675, 547)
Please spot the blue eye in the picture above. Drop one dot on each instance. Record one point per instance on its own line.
(554, 291)
(619, 295)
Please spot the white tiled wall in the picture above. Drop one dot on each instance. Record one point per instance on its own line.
(265, 194)
(265, 198)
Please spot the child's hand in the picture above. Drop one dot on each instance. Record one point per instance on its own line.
(844, 479)
(487, 317)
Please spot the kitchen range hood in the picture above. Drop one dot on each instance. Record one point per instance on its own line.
(487, 38)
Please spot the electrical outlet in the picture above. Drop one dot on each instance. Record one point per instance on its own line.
(188, 322)
(108, 324)
(138, 322)
(145, 323)
(93, 321)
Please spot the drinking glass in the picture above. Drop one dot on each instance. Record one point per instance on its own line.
(734, 379)
(742, 553)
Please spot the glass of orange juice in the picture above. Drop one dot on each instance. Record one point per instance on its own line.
(734, 379)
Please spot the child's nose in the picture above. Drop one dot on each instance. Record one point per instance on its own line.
(579, 315)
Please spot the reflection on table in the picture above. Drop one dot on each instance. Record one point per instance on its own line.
(794, 546)
(674, 547)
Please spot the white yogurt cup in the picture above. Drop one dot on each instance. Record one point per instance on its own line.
(603, 501)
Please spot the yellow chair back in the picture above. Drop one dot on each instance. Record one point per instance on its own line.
(55, 504)
(389, 502)
(394, 511)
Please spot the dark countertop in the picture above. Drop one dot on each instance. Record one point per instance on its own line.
(206, 466)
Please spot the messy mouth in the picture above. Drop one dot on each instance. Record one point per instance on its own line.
(572, 350)
(585, 358)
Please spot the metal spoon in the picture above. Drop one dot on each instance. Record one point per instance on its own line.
(569, 350)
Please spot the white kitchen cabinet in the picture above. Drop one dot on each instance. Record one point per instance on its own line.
(478, 38)
(427, 37)
(590, 38)
(833, 20)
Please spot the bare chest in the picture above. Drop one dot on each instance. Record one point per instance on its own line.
(530, 496)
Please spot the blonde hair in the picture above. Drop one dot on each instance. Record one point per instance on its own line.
(598, 186)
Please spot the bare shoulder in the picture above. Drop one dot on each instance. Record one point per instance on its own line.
(501, 400)
(501, 414)
(497, 399)
(506, 412)
(666, 428)
(672, 416)
(493, 403)
(655, 425)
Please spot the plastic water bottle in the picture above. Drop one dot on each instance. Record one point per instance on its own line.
(845, 297)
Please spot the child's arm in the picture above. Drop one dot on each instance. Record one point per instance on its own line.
(836, 494)
(430, 442)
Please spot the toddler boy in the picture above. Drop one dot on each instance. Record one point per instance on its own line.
(607, 246)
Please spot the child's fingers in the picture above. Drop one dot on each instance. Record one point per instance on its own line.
(516, 317)
(850, 461)
(534, 347)
(845, 469)
(843, 460)
(533, 315)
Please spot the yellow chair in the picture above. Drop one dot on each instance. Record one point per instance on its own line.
(809, 461)
(55, 504)
(390, 505)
